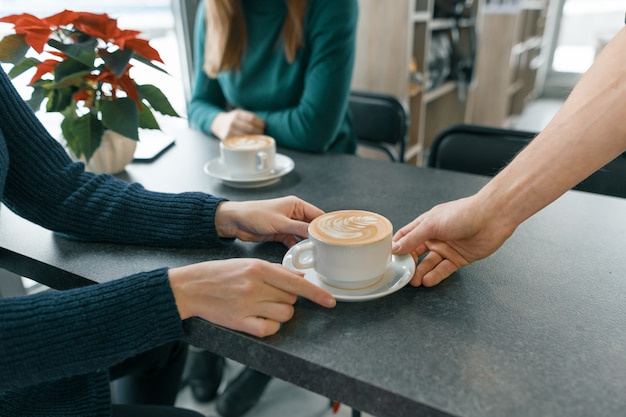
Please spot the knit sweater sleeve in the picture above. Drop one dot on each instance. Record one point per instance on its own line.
(44, 186)
(61, 334)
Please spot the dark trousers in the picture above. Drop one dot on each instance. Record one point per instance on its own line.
(147, 384)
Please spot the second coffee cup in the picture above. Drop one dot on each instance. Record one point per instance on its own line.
(248, 156)
(347, 248)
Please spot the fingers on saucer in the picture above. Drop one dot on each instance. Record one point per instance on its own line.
(432, 270)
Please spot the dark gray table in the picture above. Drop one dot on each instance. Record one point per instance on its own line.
(537, 329)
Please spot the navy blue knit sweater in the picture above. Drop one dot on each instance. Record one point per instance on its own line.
(56, 346)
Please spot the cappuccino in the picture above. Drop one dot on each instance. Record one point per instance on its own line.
(249, 156)
(248, 142)
(348, 249)
(350, 227)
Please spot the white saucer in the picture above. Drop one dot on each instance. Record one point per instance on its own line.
(283, 166)
(397, 276)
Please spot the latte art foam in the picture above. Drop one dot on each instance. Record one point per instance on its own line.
(350, 227)
(251, 142)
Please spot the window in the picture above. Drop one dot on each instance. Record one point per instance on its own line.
(583, 28)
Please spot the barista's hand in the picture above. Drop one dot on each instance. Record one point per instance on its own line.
(453, 234)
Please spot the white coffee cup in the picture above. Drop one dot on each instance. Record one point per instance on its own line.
(347, 248)
(248, 156)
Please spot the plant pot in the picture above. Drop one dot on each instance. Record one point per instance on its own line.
(113, 154)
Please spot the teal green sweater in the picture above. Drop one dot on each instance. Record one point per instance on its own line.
(304, 104)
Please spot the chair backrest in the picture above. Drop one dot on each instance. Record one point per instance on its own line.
(485, 150)
(476, 149)
(184, 22)
(380, 121)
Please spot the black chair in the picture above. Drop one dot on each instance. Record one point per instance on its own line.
(476, 149)
(381, 122)
(485, 150)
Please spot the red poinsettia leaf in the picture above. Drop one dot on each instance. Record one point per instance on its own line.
(93, 78)
(61, 19)
(106, 76)
(142, 47)
(128, 85)
(82, 95)
(123, 36)
(36, 31)
(11, 18)
(44, 68)
(37, 39)
(58, 53)
(97, 25)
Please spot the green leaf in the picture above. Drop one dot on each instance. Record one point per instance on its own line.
(122, 116)
(116, 61)
(74, 80)
(83, 134)
(22, 66)
(147, 62)
(70, 138)
(70, 68)
(84, 52)
(35, 100)
(59, 99)
(13, 48)
(158, 101)
(147, 119)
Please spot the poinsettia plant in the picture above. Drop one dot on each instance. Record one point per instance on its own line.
(83, 62)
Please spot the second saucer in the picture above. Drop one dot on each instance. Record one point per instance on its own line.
(282, 166)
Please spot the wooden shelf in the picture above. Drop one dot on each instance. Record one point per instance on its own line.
(531, 43)
(413, 152)
(536, 63)
(439, 24)
(510, 53)
(442, 24)
(533, 4)
(440, 91)
(420, 17)
(414, 89)
(515, 87)
(393, 42)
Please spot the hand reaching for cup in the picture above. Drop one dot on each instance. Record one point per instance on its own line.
(452, 235)
(235, 123)
(248, 295)
(278, 220)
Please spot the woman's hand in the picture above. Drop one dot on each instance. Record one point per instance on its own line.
(279, 219)
(237, 122)
(248, 295)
